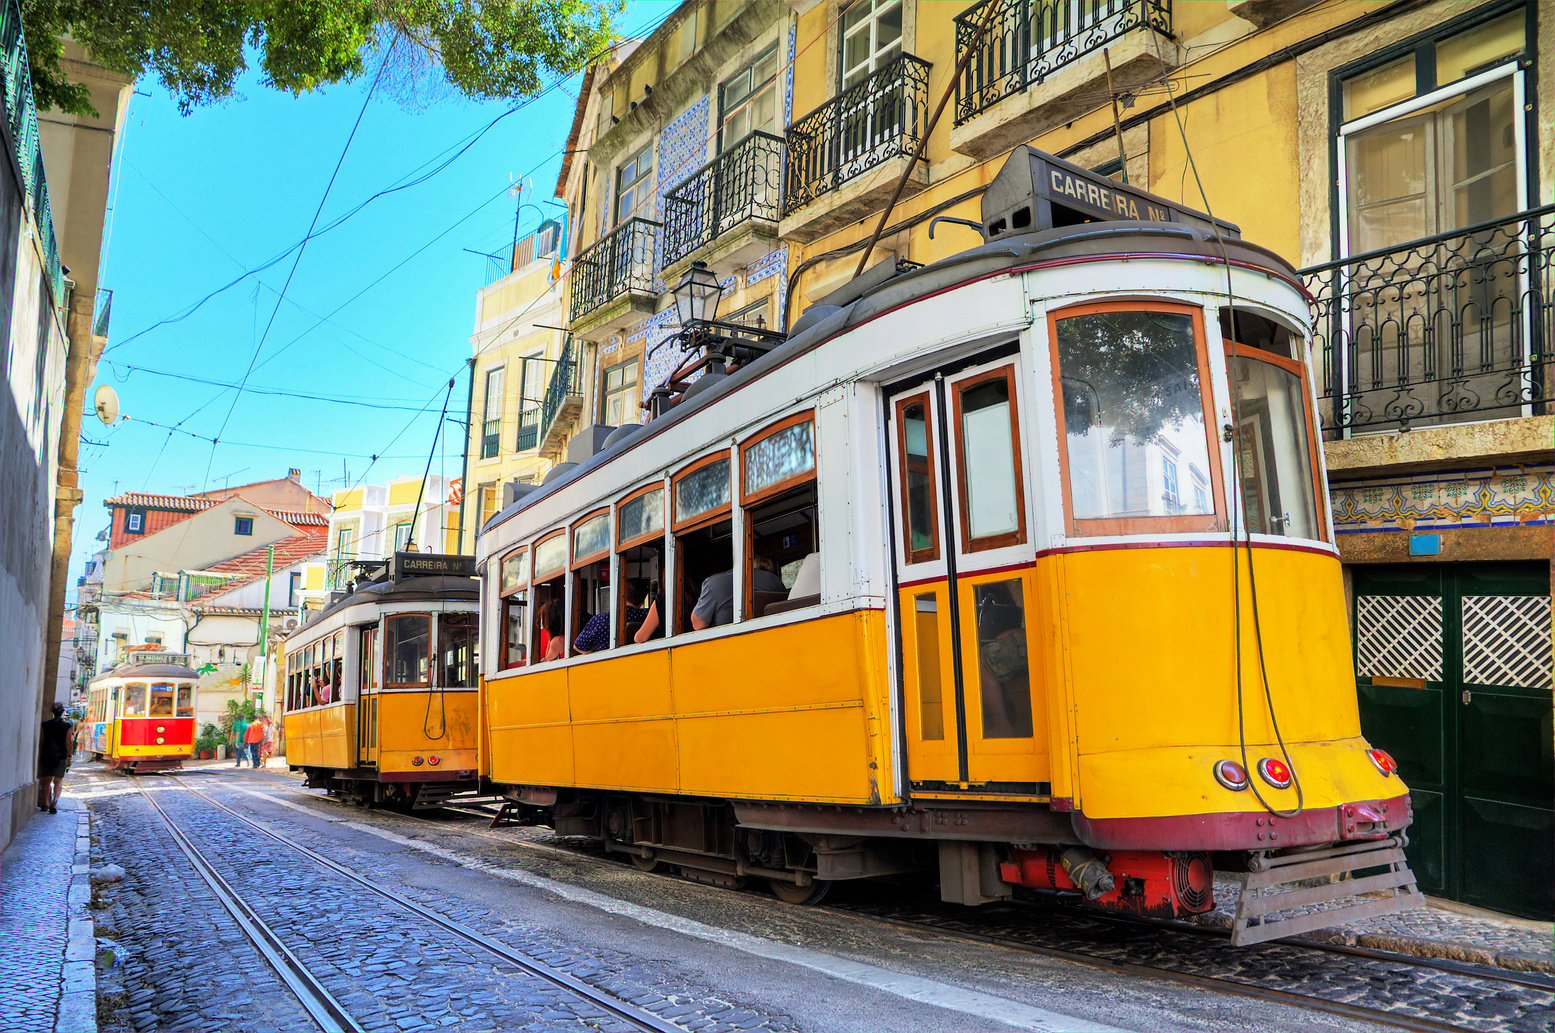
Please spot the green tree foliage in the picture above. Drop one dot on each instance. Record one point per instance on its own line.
(198, 48)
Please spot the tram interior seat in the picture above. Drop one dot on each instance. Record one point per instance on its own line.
(784, 531)
(701, 553)
(806, 590)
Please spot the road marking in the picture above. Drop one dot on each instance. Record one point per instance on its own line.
(913, 988)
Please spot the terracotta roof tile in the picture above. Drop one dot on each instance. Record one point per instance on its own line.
(250, 566)
(140, 500)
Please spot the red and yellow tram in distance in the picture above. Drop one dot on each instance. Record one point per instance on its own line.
(140, 715)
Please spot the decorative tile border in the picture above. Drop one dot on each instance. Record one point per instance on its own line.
(1499, 497)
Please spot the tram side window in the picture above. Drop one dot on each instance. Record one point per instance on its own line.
(640, 545)
(406, 650)
(185, 700)
(514, 590)
(367, 668)
(337, 670)
(550, 599)
(161, 699)
(1133, 401)
(1004, 678)
(135, 700)
(456, 643)
(988, 444)
(591, 585)
(778, 490)
(917, 464)
(704, 546)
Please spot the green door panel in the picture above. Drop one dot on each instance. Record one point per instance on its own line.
(1507, 748)
(1509, 852)
(1406, 722)
(1427, 849)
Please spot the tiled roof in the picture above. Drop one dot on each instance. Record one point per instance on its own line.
(138, 500)
(297, 519)
(250, 565)
(235, 611)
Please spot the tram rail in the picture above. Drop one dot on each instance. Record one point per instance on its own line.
(315, 998)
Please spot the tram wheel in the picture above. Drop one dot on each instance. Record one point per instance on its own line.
(789, 893)
(650, 863)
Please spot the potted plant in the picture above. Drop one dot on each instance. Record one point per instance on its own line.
(206, 742)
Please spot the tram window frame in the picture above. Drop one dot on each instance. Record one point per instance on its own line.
(552, 583)
(179, 695)
(368, 668)
(802, 488)
(1243, 350)
(581, 571)
(1090, 527)
(1006, 539)
(930, 553)
(449, 624)
(514, 598)
(707, 520)
(388, 677)
(165, 689)
(144, 694)
(631, 550)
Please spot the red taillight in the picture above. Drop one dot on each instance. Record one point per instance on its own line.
(415, 762)
(1385, 763)
(1231, 775)
(1274, 772)
(433, 761)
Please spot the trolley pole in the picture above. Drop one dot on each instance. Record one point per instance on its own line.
(264, 618)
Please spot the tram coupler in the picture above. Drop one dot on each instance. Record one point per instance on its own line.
(1136, 882)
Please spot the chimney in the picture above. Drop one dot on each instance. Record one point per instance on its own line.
(294, 474)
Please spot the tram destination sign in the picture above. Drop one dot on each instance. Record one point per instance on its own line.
(1036, 191)
(430, 564)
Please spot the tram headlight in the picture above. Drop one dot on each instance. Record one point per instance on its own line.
(1384, 761)
(160, 740)
(1274, 772)
(1231, 775)
(160, 728)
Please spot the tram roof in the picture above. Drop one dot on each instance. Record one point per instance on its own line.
(146, 671)
(866, 297)
(407, 590)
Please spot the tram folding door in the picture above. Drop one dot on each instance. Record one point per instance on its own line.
(967, 591)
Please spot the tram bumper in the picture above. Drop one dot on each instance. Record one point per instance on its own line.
(1248, 830)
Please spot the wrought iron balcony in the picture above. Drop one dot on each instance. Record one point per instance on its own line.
(563, 400)
(622, 261)
(871, 122)
(528, 428)
(744, 182)
(1027, 41)
(338, 574)
(491, 437)
(1447, 329)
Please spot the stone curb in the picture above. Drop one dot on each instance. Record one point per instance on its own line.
(78, 982)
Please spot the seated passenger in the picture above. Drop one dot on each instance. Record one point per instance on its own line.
(162, 706)
(715, 606)
(807, 580)
(552, 645)
(595, 635)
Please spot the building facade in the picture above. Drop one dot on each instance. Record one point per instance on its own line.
(371, 523)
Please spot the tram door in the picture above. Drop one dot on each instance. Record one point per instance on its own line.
(368, 684)
(965, 588)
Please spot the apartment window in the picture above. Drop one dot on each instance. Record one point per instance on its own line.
(342, 543)
(135, 521)
(243, 525)
(1432, 141)
(491, 425)
(747, 100)
(634, 182)
(871, 37)
(619, 402)
(294, 590)
(401, 535)
(750, 315)
(488, 498)
(1169, 485)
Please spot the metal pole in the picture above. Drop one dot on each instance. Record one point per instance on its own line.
(264, 614)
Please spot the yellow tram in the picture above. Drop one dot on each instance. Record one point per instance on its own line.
(140, 714)
(380, 690)
(1031, 580)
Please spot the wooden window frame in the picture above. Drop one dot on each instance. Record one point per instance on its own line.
(711, 516)
(431, 654)
(969, 544)
(930, 554)
(534, 575)
(1216, 523)
(1299, 368)
(777, 488)
(574, 561)
(503, 593)
(622, 546)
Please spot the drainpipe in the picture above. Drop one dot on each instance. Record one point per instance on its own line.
(464, 470)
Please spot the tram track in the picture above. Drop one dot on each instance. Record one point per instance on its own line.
(314, 997)
(1197, 956)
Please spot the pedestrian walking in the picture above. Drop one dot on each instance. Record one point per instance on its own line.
(56, 745)
(253, 735)
(267, 748)
(239, 743)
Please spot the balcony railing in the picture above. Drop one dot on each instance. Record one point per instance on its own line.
(104, 309)
(338, 574)
(566, 381)
(1447, 329)
(528, 428)
(622, 261)
(1028, 40)
(21, 116)
(491, 437)
(745, 182)
(871, 122)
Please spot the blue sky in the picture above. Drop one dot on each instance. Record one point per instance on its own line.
(198, 200)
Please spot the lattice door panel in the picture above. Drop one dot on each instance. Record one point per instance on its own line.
(1399, 636)
(1506, 640)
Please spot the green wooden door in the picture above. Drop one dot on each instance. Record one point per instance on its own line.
(1453, 666)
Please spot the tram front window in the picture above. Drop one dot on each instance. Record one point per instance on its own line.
(1274, 448)
(135, 700)
(456, 638)
(162, 699)
(1133, 412)
(185, 701)
(406, 638)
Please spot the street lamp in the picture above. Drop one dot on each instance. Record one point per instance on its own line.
(697, 295)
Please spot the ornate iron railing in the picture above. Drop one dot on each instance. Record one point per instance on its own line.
(491, 437)
(528, 429)
(744, 182)
(1447, 329)
(337, 574)
(871, 122)
(621, 261)
(565, 380)
(1029, 40)
(21, 117)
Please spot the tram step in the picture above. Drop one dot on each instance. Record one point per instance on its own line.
(429, 797)
(1285, 883)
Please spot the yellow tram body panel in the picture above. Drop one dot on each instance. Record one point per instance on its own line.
(794, 712)
(425, 724)
(322, 737)
(1174, 607)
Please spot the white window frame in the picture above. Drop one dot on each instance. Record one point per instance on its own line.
(872, 64)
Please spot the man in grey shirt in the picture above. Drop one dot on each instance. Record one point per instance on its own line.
(715, 605)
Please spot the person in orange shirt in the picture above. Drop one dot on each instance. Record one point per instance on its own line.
(253, 735)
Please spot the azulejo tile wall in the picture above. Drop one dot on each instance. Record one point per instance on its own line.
(1495, 497)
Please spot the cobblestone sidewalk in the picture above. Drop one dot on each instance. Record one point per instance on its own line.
(47, 946)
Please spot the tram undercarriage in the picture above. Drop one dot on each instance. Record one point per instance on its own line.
(368, 788)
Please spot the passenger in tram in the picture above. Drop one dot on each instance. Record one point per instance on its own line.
(552, 645)
(650, 627)
(595, 635)
(715, 605)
